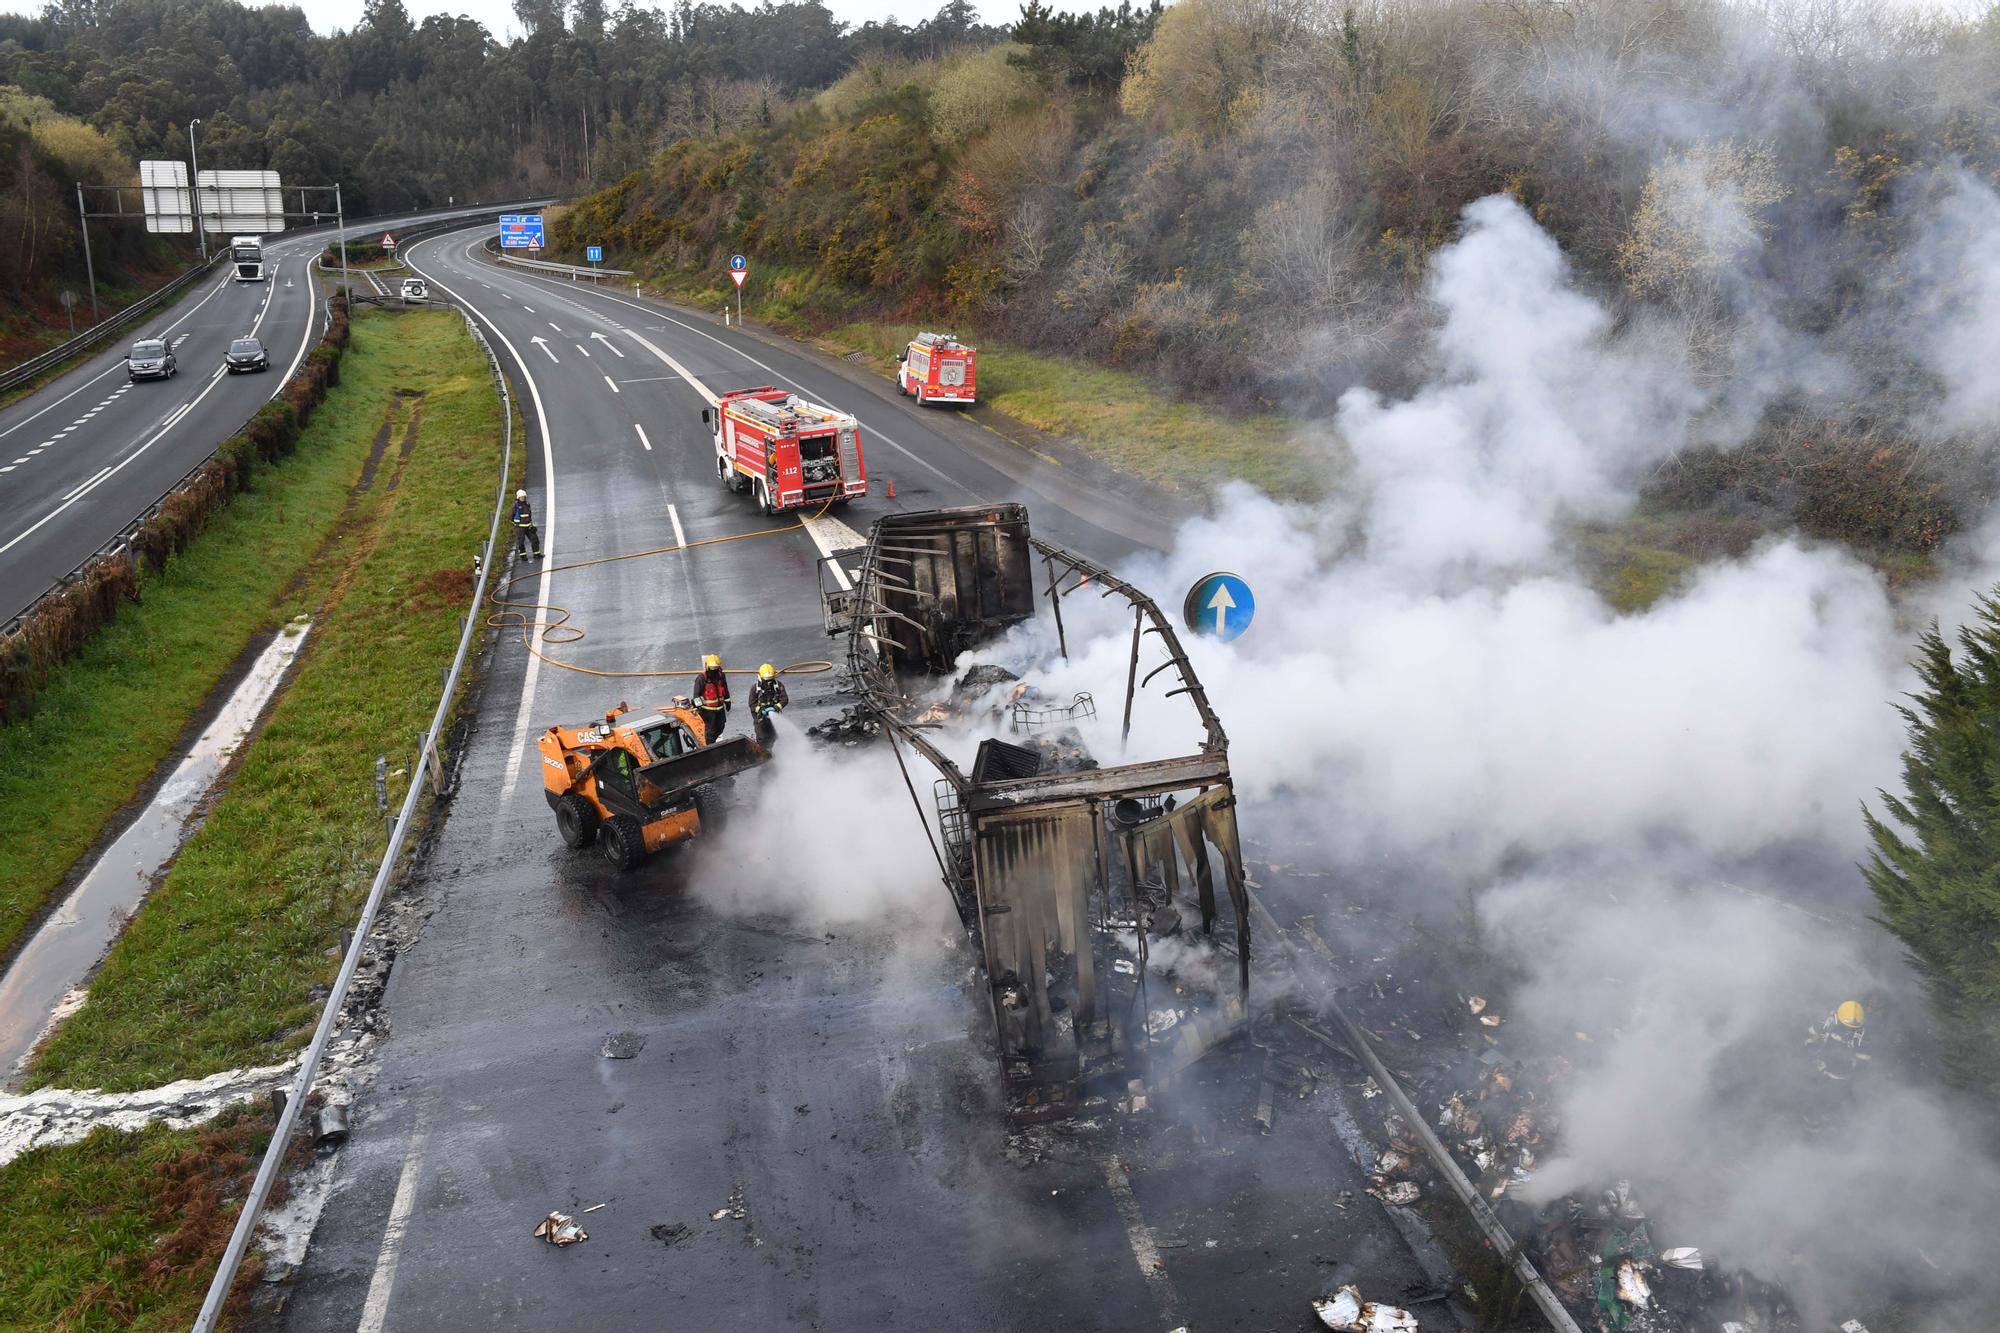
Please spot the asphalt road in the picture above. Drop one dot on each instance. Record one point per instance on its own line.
(809, 1135)
(85, 454)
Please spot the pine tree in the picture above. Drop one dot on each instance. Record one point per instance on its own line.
(1935, 870)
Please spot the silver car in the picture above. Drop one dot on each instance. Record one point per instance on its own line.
(151, 359)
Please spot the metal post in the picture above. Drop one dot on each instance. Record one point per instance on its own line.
(1062, 640)
(90, 269)
(739, 306)
(200, 236)
(1132, 671)
(340, 214)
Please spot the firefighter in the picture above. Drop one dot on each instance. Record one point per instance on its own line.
(1837, 1040)
(711, 698)
(767, 696)
(527, 538)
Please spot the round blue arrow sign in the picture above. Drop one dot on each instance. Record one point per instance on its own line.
(1219, 605)
(738, 263)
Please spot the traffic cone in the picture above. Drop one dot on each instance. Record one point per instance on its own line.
(892, 488)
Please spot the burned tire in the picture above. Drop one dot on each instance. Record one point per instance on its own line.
(576, 819)
(622, 841)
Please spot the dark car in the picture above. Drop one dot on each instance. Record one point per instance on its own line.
(247, 354)
(151, 359)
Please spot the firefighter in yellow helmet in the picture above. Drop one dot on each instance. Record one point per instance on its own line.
(1837, 1040)
(767, 696)
(711, 698)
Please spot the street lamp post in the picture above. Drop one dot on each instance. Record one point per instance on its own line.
(200, 237)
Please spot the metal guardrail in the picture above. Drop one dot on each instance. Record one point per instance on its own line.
(104, 328)
(329, 1019)
(575, 271)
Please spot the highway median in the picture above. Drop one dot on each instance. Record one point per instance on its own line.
(372, 531)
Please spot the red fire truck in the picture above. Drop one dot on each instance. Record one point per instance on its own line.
(937, 368)
(785, 451)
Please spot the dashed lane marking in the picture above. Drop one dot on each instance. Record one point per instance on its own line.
(649, 449)
(613, 383)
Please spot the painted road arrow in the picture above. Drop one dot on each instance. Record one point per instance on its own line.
(608, 343)
(542, 343)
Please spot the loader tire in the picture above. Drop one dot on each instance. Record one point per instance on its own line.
(576, 819)
(623, 842)
(708, 810)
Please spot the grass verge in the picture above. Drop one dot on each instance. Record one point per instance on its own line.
(219, 968)
(123, 1230)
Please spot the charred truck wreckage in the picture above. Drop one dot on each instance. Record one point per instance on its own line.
(1066, 875)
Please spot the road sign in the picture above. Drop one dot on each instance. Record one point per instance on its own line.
(1219, 605)
(738, 275)
(594, 253)
(520, 231)
(388, 241)
(738, 264)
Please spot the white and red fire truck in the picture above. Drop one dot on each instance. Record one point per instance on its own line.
(937, 368)
(785, 451)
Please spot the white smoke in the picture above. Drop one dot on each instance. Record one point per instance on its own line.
(1429, 683)
(1957, 333)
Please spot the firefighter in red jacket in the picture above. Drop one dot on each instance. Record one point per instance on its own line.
(711, 698)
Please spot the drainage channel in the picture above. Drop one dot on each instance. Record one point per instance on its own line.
(43, 983)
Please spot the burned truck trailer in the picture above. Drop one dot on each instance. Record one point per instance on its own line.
(1066, 875)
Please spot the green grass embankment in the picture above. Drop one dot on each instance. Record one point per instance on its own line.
(123, 1230)
(218, 969)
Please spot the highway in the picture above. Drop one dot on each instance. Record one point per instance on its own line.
(85, 454)
(808, 1134)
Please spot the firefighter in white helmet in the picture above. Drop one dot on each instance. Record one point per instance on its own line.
(527, 539)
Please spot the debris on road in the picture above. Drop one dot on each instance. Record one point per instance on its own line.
(850, 726)
(670, 1234)
(1397, 1194)
(1347, 1312)
(623, 1045)
(560, 1229)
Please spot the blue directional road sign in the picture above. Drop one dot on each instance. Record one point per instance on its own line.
(520, 231)
(738, 264)
(1219, 605)
(594, 253)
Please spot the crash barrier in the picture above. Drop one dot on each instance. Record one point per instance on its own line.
(428, 759)
(574, 271)
(104, 328)
(57, 625)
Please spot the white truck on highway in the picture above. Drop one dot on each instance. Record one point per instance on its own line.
(247, 254)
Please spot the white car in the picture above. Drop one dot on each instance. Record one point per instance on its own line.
(415, 289)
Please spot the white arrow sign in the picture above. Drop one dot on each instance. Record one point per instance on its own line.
(609, 344)
(542, 343)
(1222, 604)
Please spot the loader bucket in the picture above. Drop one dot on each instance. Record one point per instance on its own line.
(711, 763)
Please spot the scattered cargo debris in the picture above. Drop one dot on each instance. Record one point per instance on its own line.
(560, 1229)
(623, 1045)
(1061, 869)
(850, 726)
(1347, 1312)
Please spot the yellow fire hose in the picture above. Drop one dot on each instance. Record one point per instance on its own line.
(515, 615)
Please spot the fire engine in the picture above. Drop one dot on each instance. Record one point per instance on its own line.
(937, 368)
(785, 451)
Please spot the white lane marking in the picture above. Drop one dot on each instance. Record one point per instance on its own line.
(552, 324)
(312, 306)
(101, 474)
(613, 383)
(530, 309)
(830, 535)
(642, 436)
(37, 449)
(8, 468)
(523, 714)
(114, 366)
(674, 516)
(608, 344)
(542, 343)
(375, 1308)
(1144, 1252)
(579, 349)
(22, 459)
(125, 462)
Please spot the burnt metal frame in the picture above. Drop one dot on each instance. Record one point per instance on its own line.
(895, 541)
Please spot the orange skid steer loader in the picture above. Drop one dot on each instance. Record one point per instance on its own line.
(637, 782)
